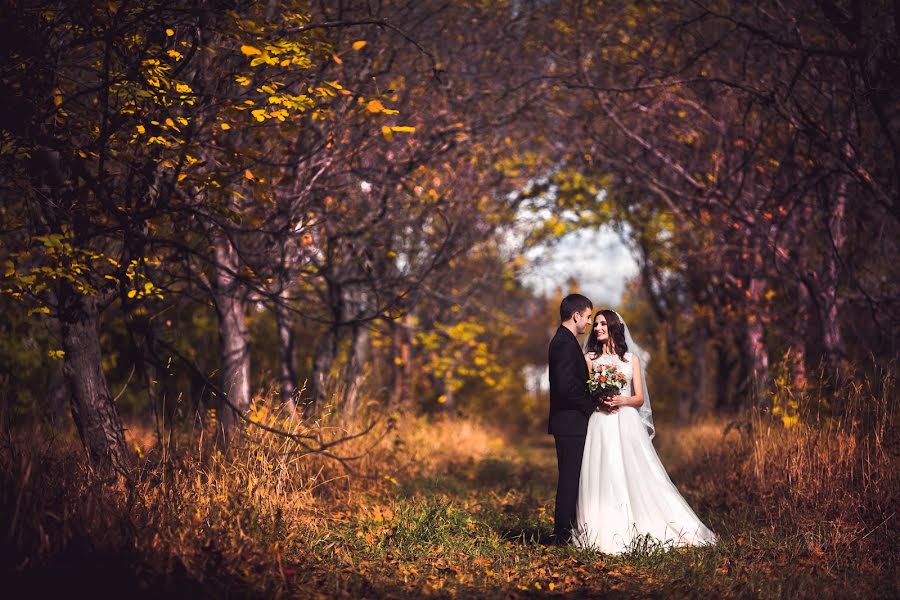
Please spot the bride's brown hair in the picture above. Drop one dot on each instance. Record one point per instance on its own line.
(616, 329)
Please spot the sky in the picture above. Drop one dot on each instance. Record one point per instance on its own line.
(598, 259)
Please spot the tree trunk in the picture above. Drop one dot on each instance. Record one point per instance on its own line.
(832, 340)
(359, 354)
(287, 377)
(691, 404)
(399, 364)
(354, 306)
(95, 415)
(755, 347)
(229, 298)
(57, 398)
(725, 402)
(800, 332)
(326, 351)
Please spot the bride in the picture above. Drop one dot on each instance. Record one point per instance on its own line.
(625, 497)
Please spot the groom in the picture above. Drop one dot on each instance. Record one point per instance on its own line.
(570, 408)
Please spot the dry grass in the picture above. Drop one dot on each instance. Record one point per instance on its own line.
(453, 507)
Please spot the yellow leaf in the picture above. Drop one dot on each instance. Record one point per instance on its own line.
(374, 106)
(182, 177)
(249, 50)
(141, 129)
(170, 32)
(337, 59)
(225, 126)
(132, 293)
(403, 129)
(387, 133)
(359, 45)
(248, 174)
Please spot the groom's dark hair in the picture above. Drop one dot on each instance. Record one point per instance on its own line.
(571, 304)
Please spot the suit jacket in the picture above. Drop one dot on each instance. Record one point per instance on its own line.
(571, 404)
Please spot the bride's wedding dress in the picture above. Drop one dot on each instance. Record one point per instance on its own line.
(625, 493)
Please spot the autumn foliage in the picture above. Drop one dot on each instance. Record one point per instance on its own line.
(252, 253)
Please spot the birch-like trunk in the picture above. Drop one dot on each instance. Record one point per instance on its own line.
(287, 375)
(832, 340)
(755, 346)
(229, 296)
(359, 354)
(323, 359)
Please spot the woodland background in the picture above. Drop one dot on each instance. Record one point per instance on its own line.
(268, 257)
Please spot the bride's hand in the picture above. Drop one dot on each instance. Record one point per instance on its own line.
(615, 402)
(611, 407)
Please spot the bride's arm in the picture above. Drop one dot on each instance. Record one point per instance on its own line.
(636, 384)
(637, 400)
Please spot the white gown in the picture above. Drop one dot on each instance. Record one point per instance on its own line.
(624, 491)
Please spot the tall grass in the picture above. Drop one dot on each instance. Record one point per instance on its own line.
(203, 514)
(453, 506)
(820, 494)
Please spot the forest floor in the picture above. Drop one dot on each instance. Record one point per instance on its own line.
(450, 510)
(481, 529)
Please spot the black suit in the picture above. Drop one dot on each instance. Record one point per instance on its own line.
(570, 408)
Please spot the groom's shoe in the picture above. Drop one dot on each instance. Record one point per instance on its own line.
(560, 539)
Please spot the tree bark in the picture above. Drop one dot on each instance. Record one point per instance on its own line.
(832, 340)
(798, 350)
(326, 351)
(401, 357)
(724, 366)
(354, 306)
(57, 397)
(755, 347)
(287, 376)
(229, 296)
(691, 404)
(96, 418)
(359, 354)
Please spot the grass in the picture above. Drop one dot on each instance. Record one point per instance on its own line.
(454, 509)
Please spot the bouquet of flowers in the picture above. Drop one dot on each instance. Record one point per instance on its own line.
(606, 381)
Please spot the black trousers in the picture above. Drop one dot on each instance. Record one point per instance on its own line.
(569, 450)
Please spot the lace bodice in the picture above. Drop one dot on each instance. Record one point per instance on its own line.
(622, 365)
